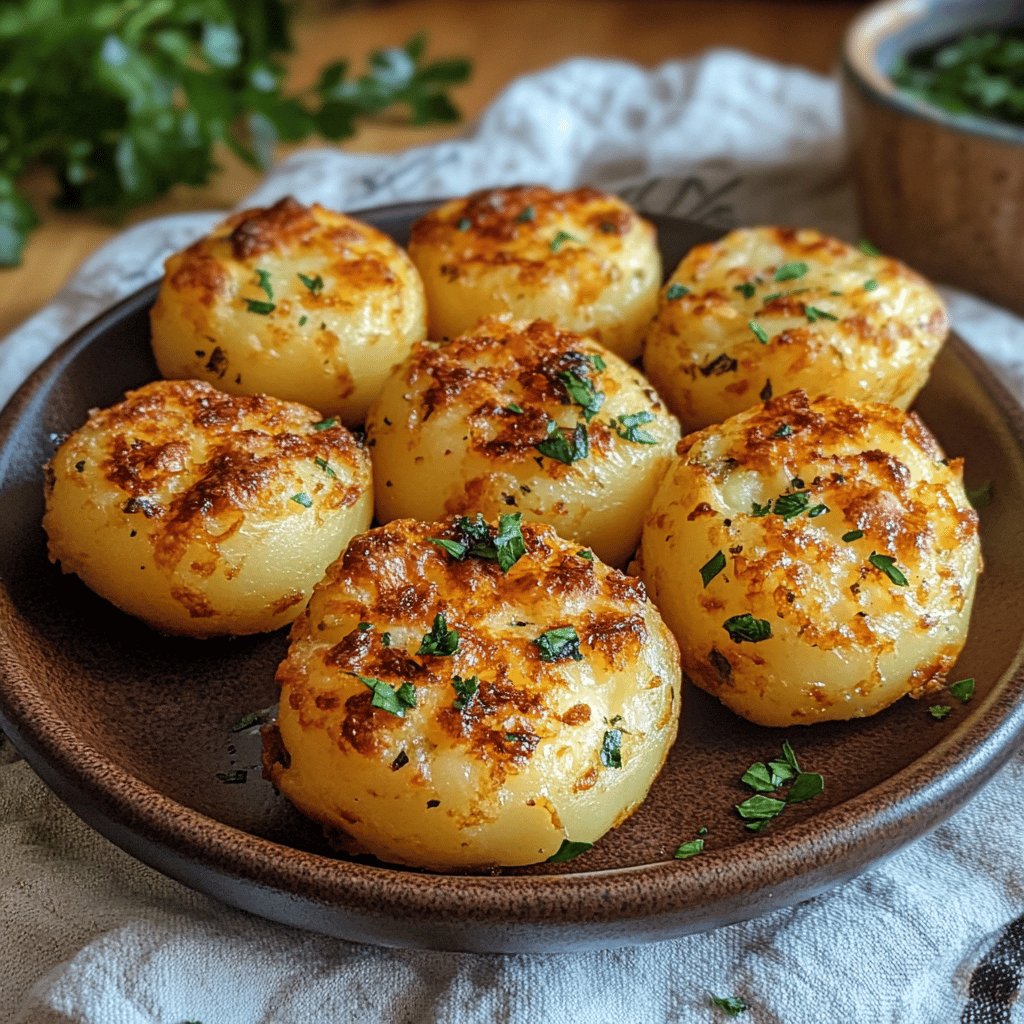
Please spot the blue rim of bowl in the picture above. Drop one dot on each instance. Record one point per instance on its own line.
(881, 22)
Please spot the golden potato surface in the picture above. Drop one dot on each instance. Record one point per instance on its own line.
(815, 560)
(519, 416)
(583, 260)
(463, 695)
(203, 513)
(767, 310)
(298, 302)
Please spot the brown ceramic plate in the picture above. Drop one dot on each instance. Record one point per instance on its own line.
(131, 729)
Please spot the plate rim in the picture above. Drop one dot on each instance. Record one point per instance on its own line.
(802, 858)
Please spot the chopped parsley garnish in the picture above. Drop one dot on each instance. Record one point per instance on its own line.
(259, 306)
(791, 505)
(263, 280)
(796, 482)
(817, 510)
(597, 362)
(746, 289)
(325, 466)
(759, 332)
(465, 691)
(732, 1005)
(233, 778)
(611, 749)
(628, 427)
(440, 641)
(939, 711)
(791, 271)
(814, 313)
(981, 496)
(712, 567)
(385, 639)
(582, 392)
(525, 215)
(887, 564)
(514, 408)
(676, 291)
(746, 628)
(561, 644)
(568, 851)
(870, 285)
(303, 320)
(852, 535)
(314, 284)
(247, 721)
(364, 626)
(765, 779)
(868, 249)
(464, 224)
(783, 430)
(561, 238)
(759, 510)
(388, 698)
(303, 499)
(687, 850)
(557, 444)
(326, 424)
(963, 690)
(505, 548)
(584, 553)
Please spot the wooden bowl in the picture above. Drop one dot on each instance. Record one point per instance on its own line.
(943, 192)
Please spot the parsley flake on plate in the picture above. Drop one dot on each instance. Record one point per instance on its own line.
(568, 851)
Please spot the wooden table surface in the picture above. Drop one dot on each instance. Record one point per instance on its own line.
(504, 38)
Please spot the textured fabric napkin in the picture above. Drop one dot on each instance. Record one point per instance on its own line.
(933, 935)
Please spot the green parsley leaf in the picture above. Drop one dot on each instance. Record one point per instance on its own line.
(732, 1005)
(597, 362)
(611, 749)
(759, 332)
(676, 291)
(464, 224)
(746, 289)
(582, 392)
(568, 851)
(746, 628)
(588, 555)
(303, 320)
(791, 271)
(453, 547)
(560, 644)
(806, 786)
(870, 285)
(761, 807)
(887, 564)
(939, 711)
(817, 510)
(247, 721)
(326, 424)
(385, 639)
(557, 444)
(440, 641)
(233, 778)
(783, 430)
(260, 307)
(868, 249)
(303, 499)
(526, 214)
(760, 778)
(814, 313)
(852, 535)
(628, 427)
(687, 850)
(263, 280)
(561, 238)
(758, 510)
(712, 567)
(364, 626)
(465, 691)
(388, 698)
(314, 284)
(963, 690)
(325, 466)
(516, 410)
(981, 496)
(791, 505)
(509, 544)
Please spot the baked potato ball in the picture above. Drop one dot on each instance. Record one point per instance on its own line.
(463, 695)
(522, 416)
(204, 513)
(582, 259)
(767, 310)
(816, 560)
(299, 302)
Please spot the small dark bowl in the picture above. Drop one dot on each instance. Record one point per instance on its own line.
(942, 191)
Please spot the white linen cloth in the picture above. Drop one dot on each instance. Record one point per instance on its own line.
(88, 934)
